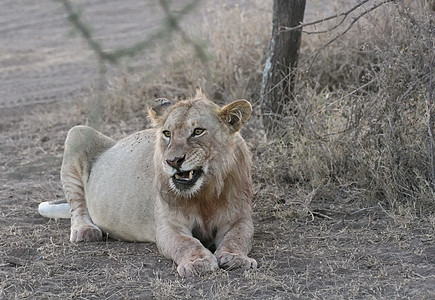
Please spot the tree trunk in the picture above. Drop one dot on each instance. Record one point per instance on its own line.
(278, 80)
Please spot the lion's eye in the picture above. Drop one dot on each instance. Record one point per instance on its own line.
(167, 133)
(198, 131)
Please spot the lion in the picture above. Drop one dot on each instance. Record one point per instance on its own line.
(184, 184)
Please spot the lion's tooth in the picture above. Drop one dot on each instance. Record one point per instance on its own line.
(191, 175)
(177, 176)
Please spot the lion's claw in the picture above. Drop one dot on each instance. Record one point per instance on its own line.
(87, 233)
(231, 261)
(197, 267)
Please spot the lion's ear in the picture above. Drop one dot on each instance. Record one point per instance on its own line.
(158, 111)
(236, 113)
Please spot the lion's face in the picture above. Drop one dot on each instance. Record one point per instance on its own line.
(188, 138)
(194, 142)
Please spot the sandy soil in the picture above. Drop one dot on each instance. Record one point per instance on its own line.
(345, 250)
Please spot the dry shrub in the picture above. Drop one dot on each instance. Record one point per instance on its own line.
(361, 126)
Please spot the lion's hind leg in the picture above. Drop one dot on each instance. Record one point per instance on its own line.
(83, 145)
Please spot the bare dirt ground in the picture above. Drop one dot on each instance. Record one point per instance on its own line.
(345, 250)
(42, 61)
(342, 249)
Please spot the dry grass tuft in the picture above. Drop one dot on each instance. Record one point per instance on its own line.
(361, 127)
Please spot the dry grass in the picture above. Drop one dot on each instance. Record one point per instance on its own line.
(344, 205)
(363, 114)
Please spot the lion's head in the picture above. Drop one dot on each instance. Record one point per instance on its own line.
(198, 145)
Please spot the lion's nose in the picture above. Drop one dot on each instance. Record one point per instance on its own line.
(176, 161)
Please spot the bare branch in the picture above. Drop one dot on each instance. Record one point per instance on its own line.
(356, 19)
(346, 13)
(342, 14)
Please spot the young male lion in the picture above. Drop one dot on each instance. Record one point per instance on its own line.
(184, 184)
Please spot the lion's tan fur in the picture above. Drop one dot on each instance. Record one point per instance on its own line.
(131, 193)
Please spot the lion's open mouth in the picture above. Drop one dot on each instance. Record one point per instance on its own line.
(187, 178)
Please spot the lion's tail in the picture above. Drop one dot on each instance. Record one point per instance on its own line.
(54, 209)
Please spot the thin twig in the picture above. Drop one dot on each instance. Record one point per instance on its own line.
(344, 14)
(313, 56)
(428, 30)
(356, 19)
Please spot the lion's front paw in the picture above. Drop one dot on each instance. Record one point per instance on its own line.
(231, 261)
(198, 266)
(86, 233)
